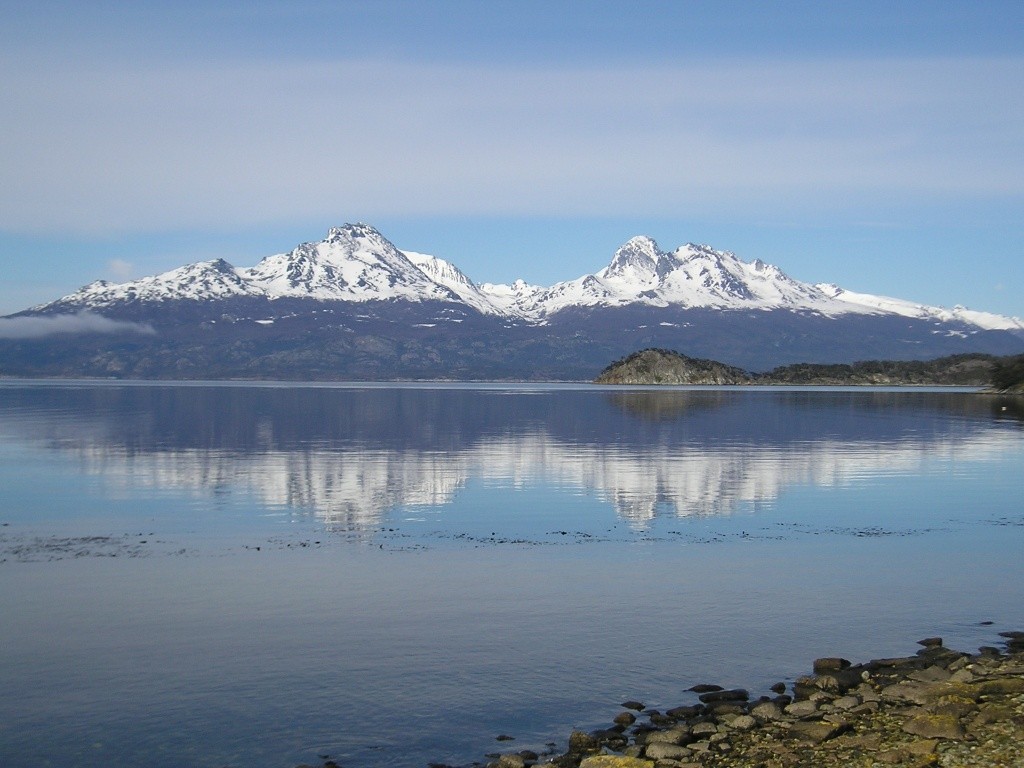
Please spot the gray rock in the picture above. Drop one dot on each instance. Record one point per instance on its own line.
(817, 732)
(683, 713)
(704, 729)
(728, 708)
(802, 708)
(611, 736)
(840, 681)
(829, 664)
(615, 761)
(582, 742)
(767, 711)
(706, 688)
(1006, 685)
(939, 655)
(867, 693)
(670, 736)
(954, 706)
(735, 694)
(963, 676)
(659, 719)
(743, 723)
(511, 761)
(931, 726)
(664, 751)
(933, 674)
(847, 702)
(868, 707)
(913, 692)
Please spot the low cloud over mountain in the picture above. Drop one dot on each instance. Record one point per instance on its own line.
(35, 326)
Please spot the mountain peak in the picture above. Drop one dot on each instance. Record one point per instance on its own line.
(350, 231)
(355, 262)
(637, 258)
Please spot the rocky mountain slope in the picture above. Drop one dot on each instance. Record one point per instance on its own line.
(661, 366)
(355, 306)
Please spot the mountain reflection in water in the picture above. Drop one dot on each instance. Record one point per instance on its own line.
(350, 455)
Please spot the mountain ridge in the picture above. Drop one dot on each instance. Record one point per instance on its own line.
(355, 306)
(355, 262)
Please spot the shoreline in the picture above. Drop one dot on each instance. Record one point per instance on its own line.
(938, 707)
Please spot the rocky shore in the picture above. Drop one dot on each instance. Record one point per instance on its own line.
(939, 707)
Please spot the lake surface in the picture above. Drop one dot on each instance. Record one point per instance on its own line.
(258, 575)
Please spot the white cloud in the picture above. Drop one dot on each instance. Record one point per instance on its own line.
(121, 269)
(82, 322)
(103, 149)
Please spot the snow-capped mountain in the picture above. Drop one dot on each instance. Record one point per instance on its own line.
(691, 276)
(355, 305)
(353, 263)
(356, 263)
(202, 281)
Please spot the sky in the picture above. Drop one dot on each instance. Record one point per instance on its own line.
(875, 145)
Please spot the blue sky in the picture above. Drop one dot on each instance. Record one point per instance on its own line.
(876, 145)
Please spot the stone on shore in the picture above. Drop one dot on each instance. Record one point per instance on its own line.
(931, 726)
(829, 664)
(715, 697)
(616, 761)
(662, 751)
(817, 731)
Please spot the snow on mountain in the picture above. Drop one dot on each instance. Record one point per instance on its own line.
(516, 300)
(354, 263)
(691, 276)
(357, 263)
(202, 281)
(446, 274)
(865, 302)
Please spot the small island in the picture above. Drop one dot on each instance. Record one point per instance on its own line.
(667, 367)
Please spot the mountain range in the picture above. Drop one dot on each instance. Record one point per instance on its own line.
(354, 306)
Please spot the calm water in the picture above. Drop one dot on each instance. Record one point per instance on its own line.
(213, 575)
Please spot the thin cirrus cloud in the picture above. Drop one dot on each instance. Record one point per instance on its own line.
(101, 149)
(81, 322)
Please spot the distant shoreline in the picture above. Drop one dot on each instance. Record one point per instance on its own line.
(581, 383)
(655, 367)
